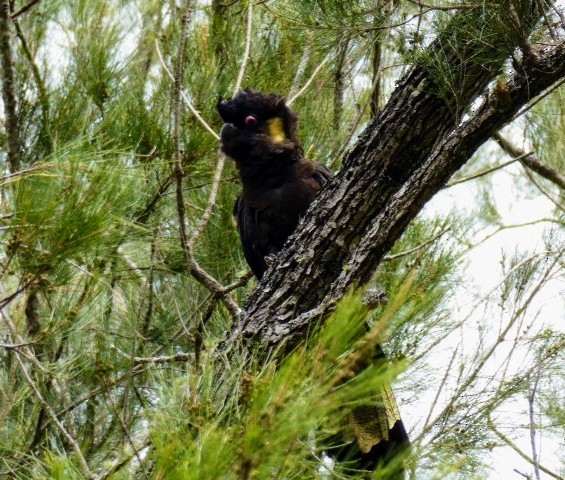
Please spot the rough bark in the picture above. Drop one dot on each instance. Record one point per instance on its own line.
(8, 88)
(406, 155)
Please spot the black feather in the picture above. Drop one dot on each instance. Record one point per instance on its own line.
(279, 184)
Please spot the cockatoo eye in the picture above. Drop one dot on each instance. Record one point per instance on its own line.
(250, 120)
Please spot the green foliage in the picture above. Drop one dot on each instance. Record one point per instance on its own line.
(120, 339)
(69, 208)
(482, 35)
(276, 418)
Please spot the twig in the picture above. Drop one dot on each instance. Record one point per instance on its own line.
(177, 89)
(548, 23)
(352, 130)
(539, 98)
(13, 346)
(483, 360)
(310, 80)
(185, 99)
(245, 58)
(123, 425)
(143, 215)
(440, 8)
(441, 385)
(531, 161)
(8, 88)
(179, 357)
(339, 78)
(104, 388)
(24, 9)
(388, 258)
(39, 166)
(531, 398)
(508, 227)
(487, 171)
(239, 283)
(10, 298)
(40, 84)
(542, 190)
(301, 67)
(53, 415)
(124, 461)
(193, 267)
(513, 446)
(211, 200)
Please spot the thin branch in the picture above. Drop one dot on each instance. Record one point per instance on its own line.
(364, 30)
(539, 98)
(310, 80)
(548, 23)
(304, 59)
(4, 302)
(531, 399)
(103, 389)
(177, 88)
(211, 200)
(179, 357)
(339, 78)
(185, 99)
(352, 131)
(39, 83)
(388, 258)
(194, 268)
(143, 215)
(124, 427)
(508, 227)
(441, 8)
(559, 12)
(440, 388)
(119, 464)
(9, 89)
(513, 446)
(544, 192)
(481, 363)
(13, 346)
(53, 415)
(486, 172)
(239, 283)
(525, 475)
(531, 161)
(24, 9)
(245, 58)
(34, 168)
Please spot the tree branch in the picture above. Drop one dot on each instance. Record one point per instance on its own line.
(531, 161)
(24, 9)
(194, 268)
(245, 58)
(482, 173)
(513, 446)
(8, 88)
(396, 167)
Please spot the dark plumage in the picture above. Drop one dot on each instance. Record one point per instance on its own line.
(279, 184)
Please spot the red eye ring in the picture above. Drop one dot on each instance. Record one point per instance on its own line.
(250, 120)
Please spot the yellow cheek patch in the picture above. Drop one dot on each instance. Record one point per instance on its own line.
(275, 130)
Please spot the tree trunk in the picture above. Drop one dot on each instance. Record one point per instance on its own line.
(406, 155)
(8, 88)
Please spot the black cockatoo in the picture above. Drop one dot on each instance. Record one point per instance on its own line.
(279, 184)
